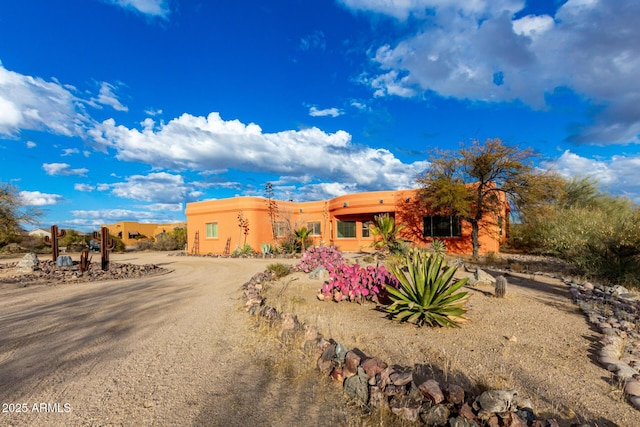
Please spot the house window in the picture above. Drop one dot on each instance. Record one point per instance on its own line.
(442, 226)
(313, 228)
(212, 230)
(366, 228)
(280, 228)
(346, 229)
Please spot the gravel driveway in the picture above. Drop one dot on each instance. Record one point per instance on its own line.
(168, 350)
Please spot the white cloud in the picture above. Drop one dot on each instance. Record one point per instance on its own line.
(616, 175)
(69, 151)
(478, 50)
(63, 169)
(36, 198)
(84, 188)
(153, 8)
(210, 143)
(95, 218)
(32, 103)
(171, 207)
(333, 112)
(30, 144)
(160, 187)
(106, 96)
(152, 112)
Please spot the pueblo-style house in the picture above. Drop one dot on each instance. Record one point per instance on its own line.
(214, 226)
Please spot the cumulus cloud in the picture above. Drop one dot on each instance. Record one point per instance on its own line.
(152, 8)
(485, 51)
(614, 174)
(63, 169)
(36, 198)
(333, 112)
(211, 143)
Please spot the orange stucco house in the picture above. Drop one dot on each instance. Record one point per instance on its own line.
(213, 225)
(131, 232)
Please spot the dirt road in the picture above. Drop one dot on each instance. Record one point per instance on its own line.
(170, 350)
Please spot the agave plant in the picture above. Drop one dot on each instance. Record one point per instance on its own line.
(426, 293)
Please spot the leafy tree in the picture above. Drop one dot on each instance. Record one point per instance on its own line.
(386, 231)
(13, 213)
(477, 179)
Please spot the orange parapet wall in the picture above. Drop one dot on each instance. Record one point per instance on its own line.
(214, 226)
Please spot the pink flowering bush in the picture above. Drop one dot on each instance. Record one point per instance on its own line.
(357, 284)
(320, 256)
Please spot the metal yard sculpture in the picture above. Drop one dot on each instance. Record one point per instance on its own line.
(106, 245)
(53, 240)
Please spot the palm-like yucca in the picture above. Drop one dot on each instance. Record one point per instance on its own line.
(426, 295)
(385, 229)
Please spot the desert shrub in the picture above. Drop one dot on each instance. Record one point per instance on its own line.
(320, 256)
(172, 241)
(357, 284)
(246, 249)
(602, 242)
(279, 269)
(426, 294)
(144, 245)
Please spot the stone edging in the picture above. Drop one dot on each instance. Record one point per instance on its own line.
(615, 312)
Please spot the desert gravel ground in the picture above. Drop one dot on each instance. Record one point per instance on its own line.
(178, 350)
(169, 350)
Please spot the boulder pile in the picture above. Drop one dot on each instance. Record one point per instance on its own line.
(30, 270)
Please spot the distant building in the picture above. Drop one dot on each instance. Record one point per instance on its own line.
(344, 221)
(40, 232)
(131, 232)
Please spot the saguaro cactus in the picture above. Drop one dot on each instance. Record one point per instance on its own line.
(501, 286)
(53, 240)
(106, 245)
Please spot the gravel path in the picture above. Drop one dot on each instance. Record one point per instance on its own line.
(165, 350)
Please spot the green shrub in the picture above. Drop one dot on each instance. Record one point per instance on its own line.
(246, 249)
(279, 269)
(426, 295)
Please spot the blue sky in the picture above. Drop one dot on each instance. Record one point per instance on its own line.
(126, 110)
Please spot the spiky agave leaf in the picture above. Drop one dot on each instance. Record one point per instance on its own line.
(426, 294)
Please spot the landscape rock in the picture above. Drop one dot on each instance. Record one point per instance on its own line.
(405, 409)
(28, 263)
(437, 415)
(431, 390)
(495, 402)
(357, 387)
